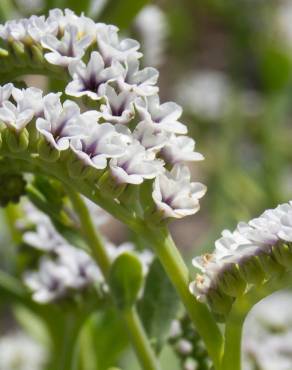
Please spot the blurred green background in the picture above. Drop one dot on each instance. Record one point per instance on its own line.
(229, 64)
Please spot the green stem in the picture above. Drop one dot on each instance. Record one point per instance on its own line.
(233, 329)
(178, 273)
(135, 328)
(138, 337)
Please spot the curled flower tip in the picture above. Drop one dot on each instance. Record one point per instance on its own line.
(251, 255)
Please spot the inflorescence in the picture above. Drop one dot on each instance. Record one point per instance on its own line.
(245, 257)
(126, 136)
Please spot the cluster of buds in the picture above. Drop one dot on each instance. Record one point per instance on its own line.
(188, 345)
(248, 256)
(125, 137)
(65, 269)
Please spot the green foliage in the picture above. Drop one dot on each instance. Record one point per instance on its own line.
(125, 280)
(158, 306)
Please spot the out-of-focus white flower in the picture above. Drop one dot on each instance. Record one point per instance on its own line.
(174, 194)
(142, 82)
(180, 149)
(205, 93)
(184, 347)
(18, 351)
(99, 142)
(30, 98)
(87, 79)
(71, 47)
(135, 165)
(14, 30)
(119, 107)
(148, 136)
(50, 282)
(111, 48)
(14, 117)
(267, 334)
(283, 15)
(162, 116)
(5, 93)
(152, 24)
(59, 122)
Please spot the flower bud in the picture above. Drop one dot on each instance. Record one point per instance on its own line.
(270, 264)
(47, 152)
(17, 141)
(251, 270)
(283, 254)
(219, 302)
(231, 282)
(37, 54)
(77, 168)
(108, 184)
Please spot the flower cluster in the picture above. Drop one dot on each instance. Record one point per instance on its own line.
(245, 256)
(267, 334)
(64, 268)
(128, 132)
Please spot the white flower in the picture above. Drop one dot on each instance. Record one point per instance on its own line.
(135, 165)
(50, 282)
(174, 194)
(14, 117)
(163, 117)
(87, 79)
(99, 142)
(111, 48)
(151, 138)
(119, 107)
(31, 98)
(71, 47)
(180, 149)
(5, 92)
(38, 27)
(45, 237)
(18, 351)
(142, 82)
(153, 27)
(82, 270)
(60, 122)
(14, 30)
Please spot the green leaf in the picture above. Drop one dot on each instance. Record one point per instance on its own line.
(122, 12)
(125, 279)
(158, 306)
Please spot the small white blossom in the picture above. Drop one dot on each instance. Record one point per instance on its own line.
(119, 106)
(71, 47)
(174, 194)
(18, 351)
(87, 79)
(135, 165)
(142, 82)
(14, 30)
(111, 48)
(14, 117)
(150, 137)
(59, 123)
(38, 27)
(50, 282)
(30, 98)
(180, 149)
(163, 116)
(99, 142)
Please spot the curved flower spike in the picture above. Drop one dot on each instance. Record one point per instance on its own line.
(135, 165)
(164, 116)
(71, 47)
(142, 82)
(88, 79)
(119, 107)
(99, 142)
(14, 117)
(60, 122)
(111, 48)
(174, 195)
(180, 149)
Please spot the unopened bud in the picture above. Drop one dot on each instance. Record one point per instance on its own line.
(231, 282)
(47, 152)
(251, 270)
(17, 141)
(283, 254)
